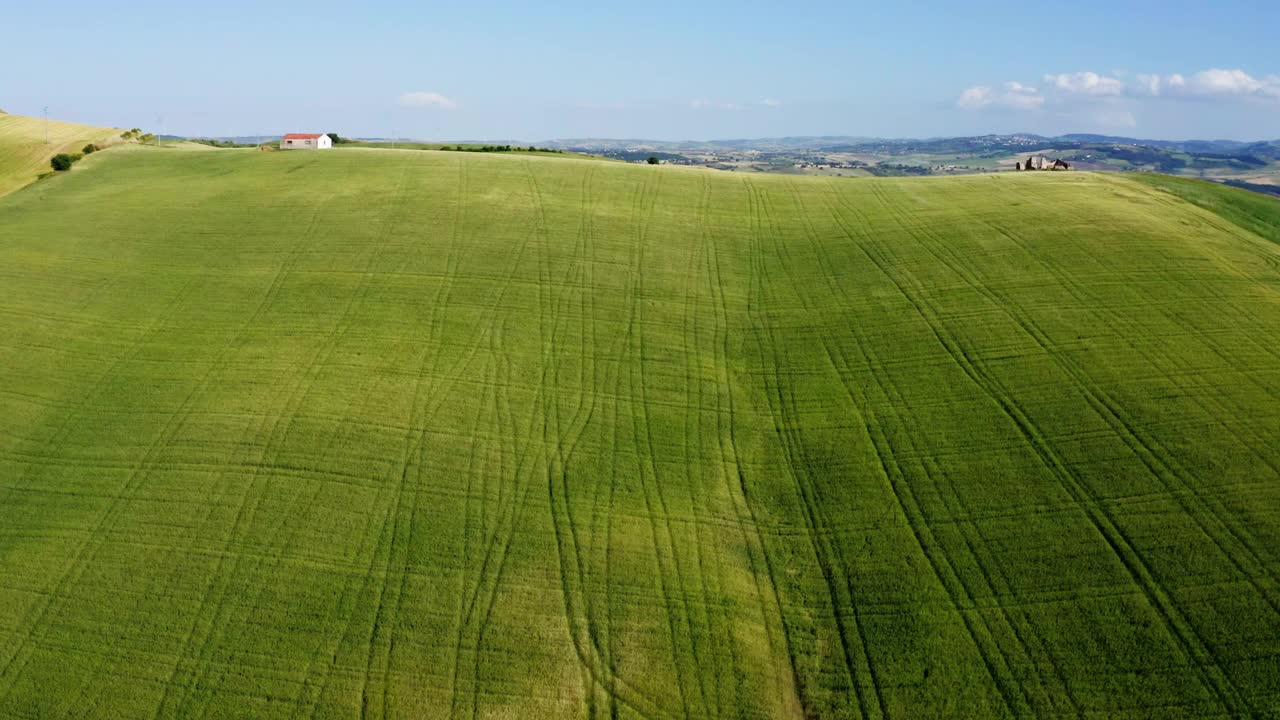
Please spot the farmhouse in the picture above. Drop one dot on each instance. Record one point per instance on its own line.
(306, 141)
(1040, 162)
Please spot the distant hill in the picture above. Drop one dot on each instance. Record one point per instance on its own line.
(237, 139)
(24, 155)
(926, 145)
(973, 143)
(831, 142)
(1250, 165)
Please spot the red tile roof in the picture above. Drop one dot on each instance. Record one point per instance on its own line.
(301, 136)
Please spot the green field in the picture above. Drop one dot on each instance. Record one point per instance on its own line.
(452, 147)
(24, 154)
(413, 435)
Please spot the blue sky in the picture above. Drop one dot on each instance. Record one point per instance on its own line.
(504, 69)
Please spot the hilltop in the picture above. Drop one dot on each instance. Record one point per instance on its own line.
(1251, 165)
(367, 433)
(24, 154)
(1255, 165)
(1016, 142)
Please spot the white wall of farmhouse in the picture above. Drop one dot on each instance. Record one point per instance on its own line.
(323, 142)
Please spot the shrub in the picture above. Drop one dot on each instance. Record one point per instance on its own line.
(62, 162)
(90, 149)
(652, 160)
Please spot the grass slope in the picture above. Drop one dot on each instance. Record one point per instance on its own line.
(451, 147)
(24, 156)
(386, 434)
(1253, 211)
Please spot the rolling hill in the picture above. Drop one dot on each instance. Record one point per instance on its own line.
(387, 434)
(24, 155)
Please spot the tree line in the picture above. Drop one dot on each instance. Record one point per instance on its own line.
(499, 148)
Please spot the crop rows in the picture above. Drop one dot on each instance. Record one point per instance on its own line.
(389, 434)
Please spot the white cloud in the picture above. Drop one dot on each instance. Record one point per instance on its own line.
(1020, 97)
(975, 98)
(1016, 96)
(1217, 82)
(1086, 83)
(710, 105)
(427, 99)
(1225, 82)
(1210, 83)
(1149, 84)
(1115, 97)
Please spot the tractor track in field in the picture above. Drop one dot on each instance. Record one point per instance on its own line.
(643, 427)
(891, 468)
(598, 623)
(841, 368)
(1096, 512)
(1158, 464)
(392, 519)
(650, 478)
(246, 515)
(1145, 448)
(413, 450)
(901, 218)
(1111, 410)
(942, 565)
(170, 429)
(1263, 248)
(930, 468)
(538, 410)
(568, 434)
(1176, 623)
(736, 483)
(561, 439)
(597, 661)
(787, 433)
(507, 517)
(60, 432)
(809, 448)
(296, 394)
(600, 629)
(718, 628)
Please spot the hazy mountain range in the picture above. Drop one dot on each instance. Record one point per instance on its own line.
(978, 143)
